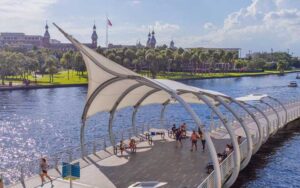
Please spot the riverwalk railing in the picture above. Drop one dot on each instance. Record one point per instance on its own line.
(31, 167)
(227, 165)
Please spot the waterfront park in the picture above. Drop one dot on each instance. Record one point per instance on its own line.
(146, 116)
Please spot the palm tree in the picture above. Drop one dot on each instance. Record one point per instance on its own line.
(152, 62)
(215, 59)
(66, 60)
(186, 60)
(140, 55)
(79, 65)
(281, 66)
(51, 64)
(194, 59)
(203, 57)
(229, 57)
(169, 55)
(130, 54)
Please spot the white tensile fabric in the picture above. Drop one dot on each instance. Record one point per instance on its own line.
(252, 97)
(101, 70)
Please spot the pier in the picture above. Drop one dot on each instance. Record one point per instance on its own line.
(113, 87)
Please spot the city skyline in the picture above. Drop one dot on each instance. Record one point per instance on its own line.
(255, 25)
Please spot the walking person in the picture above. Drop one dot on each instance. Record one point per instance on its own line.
(202, 139)
(174, 130)
(44, 171)
(178, 137)
(194, 138)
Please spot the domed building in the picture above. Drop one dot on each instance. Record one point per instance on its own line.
(172, 45)
(28, 42)
(94, 37)
(148, 41)
(151, 42)
(46, 38)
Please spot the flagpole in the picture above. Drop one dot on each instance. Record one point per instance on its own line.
(106, 22)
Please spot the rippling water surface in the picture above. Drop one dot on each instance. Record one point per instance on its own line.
(44, 121)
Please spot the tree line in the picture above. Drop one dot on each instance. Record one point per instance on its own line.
(163, 59)
(21, 65)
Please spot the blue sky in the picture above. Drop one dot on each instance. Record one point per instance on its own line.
(256, 25)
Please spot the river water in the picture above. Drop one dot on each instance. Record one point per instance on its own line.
(44, 121)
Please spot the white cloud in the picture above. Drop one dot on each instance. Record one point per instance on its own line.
(23, 16)
(160, 27)
(209, 26)
(260, 26)
(135, 2)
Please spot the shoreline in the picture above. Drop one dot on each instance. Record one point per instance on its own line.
(22, 87)
(233, 76)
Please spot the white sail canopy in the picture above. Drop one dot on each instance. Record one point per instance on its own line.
(252, 97)
(112, 86)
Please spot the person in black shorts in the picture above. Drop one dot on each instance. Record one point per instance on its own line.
(44, 171)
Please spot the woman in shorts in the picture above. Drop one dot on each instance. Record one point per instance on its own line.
(44, 171)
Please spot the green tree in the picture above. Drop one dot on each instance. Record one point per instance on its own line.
(281, 65)
(67, 60)
(51, 64)
(4, 66)
(79, 65)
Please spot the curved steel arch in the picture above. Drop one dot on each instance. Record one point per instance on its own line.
(113, 110)
(231, 133)
(284, 108)
(96, 92)
(162, 114)
(245, 128)
(197, 120)
(237, 157)
(208, 139)
(276, 113)
(265, 117)
(137, 105)
(259, 127)
(91, 99)
(87, 106)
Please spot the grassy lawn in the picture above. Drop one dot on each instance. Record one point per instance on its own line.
(183, 75)
(61, 78)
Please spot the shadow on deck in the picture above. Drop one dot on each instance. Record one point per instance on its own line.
(179, 167)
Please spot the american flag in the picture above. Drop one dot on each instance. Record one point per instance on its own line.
(109, 22)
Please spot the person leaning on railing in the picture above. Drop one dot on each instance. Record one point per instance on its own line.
(132, 145)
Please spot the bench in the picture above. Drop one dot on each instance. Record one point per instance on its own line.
(161, 133)
(144, 137)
